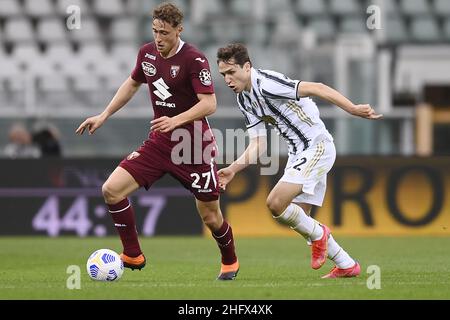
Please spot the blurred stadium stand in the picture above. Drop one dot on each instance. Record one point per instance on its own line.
(48, 72)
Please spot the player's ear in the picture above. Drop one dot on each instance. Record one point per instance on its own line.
(179, 29)
(247, 66)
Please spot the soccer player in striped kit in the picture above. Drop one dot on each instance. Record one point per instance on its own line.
(269, 97)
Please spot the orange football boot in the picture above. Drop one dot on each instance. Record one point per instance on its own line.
(133, 263)
(228, 271)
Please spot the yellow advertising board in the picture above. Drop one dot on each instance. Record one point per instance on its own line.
(365, 196)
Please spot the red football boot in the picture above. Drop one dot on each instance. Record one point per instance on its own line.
(319, 249)
(344, 273)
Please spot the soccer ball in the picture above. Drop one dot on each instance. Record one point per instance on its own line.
(104, 265)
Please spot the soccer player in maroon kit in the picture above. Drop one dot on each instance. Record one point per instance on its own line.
(182, 94)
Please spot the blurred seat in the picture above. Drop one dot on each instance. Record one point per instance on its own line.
(89, 31)
(145, 8)
(345, 7)
(49, 77)
(60, 52)
(29, 60)
(206, 10)
(276, 8)
(286, 29)
(124, 30)
(125, 54)
(273, 59)
(442, 7)
(310, 8)
(256, 32)
(353, 25)
(323, 27)
(195, 34)
(94, 61)
(414, 7)
(41, 8)
(63, 5)
(185, 7)
(11, 75)
(210, 52)
(10, 8)
(418, 65)
(396, 31)
(51, 30)
(125, 51)
(425, 29)
(226, 30)
(18, 30)
(2, 48)
(388, 7)
(92, 52)
(242, 8)
(446, 29)
(108, 8)
(27, 53)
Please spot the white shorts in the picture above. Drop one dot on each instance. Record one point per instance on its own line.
(309, 168)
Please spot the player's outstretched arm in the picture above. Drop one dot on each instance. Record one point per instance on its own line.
(122, 96)
(256, 147)
(323, 91)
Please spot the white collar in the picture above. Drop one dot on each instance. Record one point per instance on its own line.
(180, 46)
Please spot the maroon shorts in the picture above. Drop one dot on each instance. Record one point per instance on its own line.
(152, 161)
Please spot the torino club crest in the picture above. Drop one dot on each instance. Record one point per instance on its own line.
(174, 71)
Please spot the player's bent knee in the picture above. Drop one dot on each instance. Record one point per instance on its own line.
(275, 205)
(212, 221)
(110, 195)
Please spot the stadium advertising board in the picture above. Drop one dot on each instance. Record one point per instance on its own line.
(366, 196)
(63, 197)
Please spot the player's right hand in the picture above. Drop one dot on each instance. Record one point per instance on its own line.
(366, 111)
(91, 124)
(225, 176)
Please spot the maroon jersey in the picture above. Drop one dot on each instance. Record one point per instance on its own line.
(174, 84)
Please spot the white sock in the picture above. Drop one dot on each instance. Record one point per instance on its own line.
(297, 219)
(338, 255)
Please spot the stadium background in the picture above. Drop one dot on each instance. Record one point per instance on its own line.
(388, 200)
(392, 177)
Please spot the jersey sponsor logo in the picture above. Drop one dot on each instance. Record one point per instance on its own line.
(150, 56)
(161, 91)
(200, 59)
(148, 68)
(174, 71)
(165, 104)
(205, 77)
(133, 155)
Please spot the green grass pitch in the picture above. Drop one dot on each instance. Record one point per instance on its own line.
(186, 268)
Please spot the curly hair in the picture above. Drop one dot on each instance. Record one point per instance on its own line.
(169, 13)
(236, 51)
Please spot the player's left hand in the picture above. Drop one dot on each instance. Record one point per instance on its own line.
(225, 176)
(366, 111)
(163, 124)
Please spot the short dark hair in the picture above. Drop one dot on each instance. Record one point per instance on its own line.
(168, 12)
(236, 51)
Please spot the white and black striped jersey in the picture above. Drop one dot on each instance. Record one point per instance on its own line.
(273, 100)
